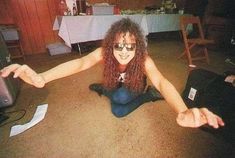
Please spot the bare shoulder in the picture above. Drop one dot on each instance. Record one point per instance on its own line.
(152, 72)
(151, 68)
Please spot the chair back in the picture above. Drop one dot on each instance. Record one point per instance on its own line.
(193, 36)
(12, 37)
(194, 22)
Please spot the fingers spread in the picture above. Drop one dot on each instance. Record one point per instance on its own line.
(212, 119)
(24, 69)
(220, 121)
(7, 70)
(196, 117)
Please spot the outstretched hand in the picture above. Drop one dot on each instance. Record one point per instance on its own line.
(197, 117)
(25, 73)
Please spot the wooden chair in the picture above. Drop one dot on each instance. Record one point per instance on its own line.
(12, 38)
(194, 41)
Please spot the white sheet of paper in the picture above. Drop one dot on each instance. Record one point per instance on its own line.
(38, 116)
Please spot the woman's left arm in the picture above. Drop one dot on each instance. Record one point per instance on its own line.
(194, 117)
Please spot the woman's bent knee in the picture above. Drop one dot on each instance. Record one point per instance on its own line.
(119, 112)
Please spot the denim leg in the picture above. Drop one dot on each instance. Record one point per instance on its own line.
(124, 102)
(131, 103)
(122, 96)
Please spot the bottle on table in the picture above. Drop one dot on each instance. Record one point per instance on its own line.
(63, 8)
(75, 12)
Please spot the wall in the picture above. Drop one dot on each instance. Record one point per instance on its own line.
(35, 19)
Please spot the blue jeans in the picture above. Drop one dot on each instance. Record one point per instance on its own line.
(124, 101)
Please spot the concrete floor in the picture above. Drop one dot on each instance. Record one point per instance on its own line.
(79, 123)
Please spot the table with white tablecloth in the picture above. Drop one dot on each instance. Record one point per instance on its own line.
(163, 22)
(76, 29)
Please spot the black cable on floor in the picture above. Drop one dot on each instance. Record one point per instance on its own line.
(10, 112)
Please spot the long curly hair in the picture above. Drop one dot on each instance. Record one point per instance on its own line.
(135, 79)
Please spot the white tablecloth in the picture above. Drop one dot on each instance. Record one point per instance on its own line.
(76, 29)
(163, 22)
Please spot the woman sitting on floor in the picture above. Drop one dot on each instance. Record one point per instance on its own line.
(126, 67)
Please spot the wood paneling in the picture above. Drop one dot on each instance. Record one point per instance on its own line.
(30, 20)
(5, 16)
(53, 5)
(35, 19)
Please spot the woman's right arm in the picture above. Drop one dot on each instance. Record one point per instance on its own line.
(65, 69)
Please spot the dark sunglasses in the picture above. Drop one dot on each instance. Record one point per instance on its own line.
(128, 46)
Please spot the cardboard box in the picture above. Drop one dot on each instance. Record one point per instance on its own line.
(102, 10)
(58, 48)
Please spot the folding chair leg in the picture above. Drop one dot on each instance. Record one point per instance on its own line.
(79, 49)
(206, 55)
(187, 53)
(190, 62)
(22, 52)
